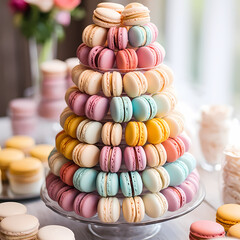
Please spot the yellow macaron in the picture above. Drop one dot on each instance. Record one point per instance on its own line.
(67, 145)
(7, 156)
(158, 130)
(59, 137)
(71, 124)
(41, 151)
(23, 143)
(135, 134)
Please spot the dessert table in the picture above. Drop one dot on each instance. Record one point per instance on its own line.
(177, 229)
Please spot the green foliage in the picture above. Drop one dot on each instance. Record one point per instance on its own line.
(78, 13)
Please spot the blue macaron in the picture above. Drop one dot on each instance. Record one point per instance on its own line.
(136, 36)
(84, 179)
(144, 108)
(178, 172)
(189, 160)
(109, 187)
(131, 184)
(149, 36)
(121, 109)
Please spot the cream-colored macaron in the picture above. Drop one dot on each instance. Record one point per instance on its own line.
(23, 143)
(8, 209)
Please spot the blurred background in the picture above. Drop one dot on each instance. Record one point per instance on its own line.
(201, 38)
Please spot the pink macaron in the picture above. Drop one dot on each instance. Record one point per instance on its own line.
(174, 147)
(85, 204)
(186, 140)
(101, 58)
(194, 181)
(135, 158)
(110, 159)
(66, 199)
(82, 53)
(50, 177)
(117, 38)
(96, 107)
(77, 102)
(205, 229)
(154, 30)
(126, 60)
(54, 187)
(189, 190)
(150, 56)
(67, 171)
(176, 198)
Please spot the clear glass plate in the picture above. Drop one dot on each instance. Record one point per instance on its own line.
(122, 229)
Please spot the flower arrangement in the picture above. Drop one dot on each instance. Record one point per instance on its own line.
(40, 19)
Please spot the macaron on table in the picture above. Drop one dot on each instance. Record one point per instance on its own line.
(121, 160)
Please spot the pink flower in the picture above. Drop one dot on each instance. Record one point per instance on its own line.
(67, 4)
(63, 18)
(43, 5)
(18, 5)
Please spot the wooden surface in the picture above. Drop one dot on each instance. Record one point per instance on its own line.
(177, 229)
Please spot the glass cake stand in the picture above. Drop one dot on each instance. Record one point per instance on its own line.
(145, 229)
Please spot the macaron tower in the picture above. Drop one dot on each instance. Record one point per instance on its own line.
(122, 150)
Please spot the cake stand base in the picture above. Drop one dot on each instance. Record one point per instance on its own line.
(124, 231)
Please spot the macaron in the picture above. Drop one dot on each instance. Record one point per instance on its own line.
(153, 29)
(55, 232)
(189, 160)
(158, 130)
(155, 179)
(85, 204)
(176, 198)
(158, 79)
(135, 14)
(82, 53)
(136, 134)
(96, 107)
(54, 187)
(135, 158)
(66, 199)
(133, 209)
(86, 155)
(106, 17)
(156, 155)
(112, 84)
(67, 145)
(89, 131)
(189, 190)
(144, 108)
(107, 184)
(126, 60)
(94, 35)
(77, 102)
(58, 139)
(8, 209)
(117, 38)
(165, 101)
(71, 124)
(174, 147)
(111, 133)
(135, 83)
(64, 115)
(131, 184)
(90, 82)
(67, 171)
(121, 109)
(186, 140)
(23, 143)
(108, 209)
(69, 91)
(49, 178)
(228, 215)
(234, 231)
(55, 161)
(22, 226)
(155, 204)
(178, 172)
(114, 6)
(84, 179)
(110, 159)
(150, 56)
(205, 229)
(77, 70)
(101, 58)
(176, 124)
